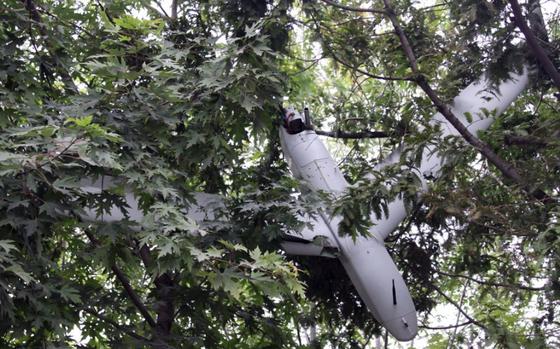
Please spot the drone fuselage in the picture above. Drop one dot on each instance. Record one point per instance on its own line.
(367, 262)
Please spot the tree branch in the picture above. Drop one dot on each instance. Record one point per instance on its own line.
(481, 282)
(109, 17)
(174, 6)
(353, 135)
(364, 72)
(67, 24)
(451, 339)
(507, 169)
(510, 139)
(426, 327)
(407, 48)
(116, 325)
(157, 12)
(334, 56)
(353, 9)
(533, 43)
(536, 22)
(36, 17)
(127, 287)
(161, 8)
(165, 307)
(452, 302)
(132, 295)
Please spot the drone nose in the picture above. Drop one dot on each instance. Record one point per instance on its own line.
(403, 328)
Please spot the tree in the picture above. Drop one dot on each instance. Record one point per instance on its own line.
(184, 97)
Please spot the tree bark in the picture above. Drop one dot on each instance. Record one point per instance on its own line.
(132, 295)
(533, 43)
(174, 9)
(164, 306)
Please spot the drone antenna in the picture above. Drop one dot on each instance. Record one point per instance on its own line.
(307, 118)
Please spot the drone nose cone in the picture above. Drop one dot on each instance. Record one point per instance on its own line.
(381, 286)
(403, 328)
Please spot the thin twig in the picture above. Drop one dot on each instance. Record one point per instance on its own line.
(452, 338)
(481, 282)
(353, 135)
(510, 139)
(353, 9)
(67, 24)
(435, 7)
(161, 8)
(452, 302)
(116, 325)
(109, 17)
(36, 17)
(368, 339)
(334, 56)
(304, 69)
(448, 327)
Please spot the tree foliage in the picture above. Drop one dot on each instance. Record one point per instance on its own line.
(182, 97)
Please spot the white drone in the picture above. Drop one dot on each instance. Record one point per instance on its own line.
(365, 259)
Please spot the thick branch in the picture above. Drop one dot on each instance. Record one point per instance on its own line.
(353, 135)
(132, 295)
(533, 43)
(536, 22)
(127, 287)
(174, 6)
(353, 9)
(165, 307)
(407, 48)
(507, 169)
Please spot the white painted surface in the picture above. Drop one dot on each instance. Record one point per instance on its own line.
(367, 262)
(203, 207)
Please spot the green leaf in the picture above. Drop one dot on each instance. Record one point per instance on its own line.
(8, 245)
(80, 122)
(70, 294)
(22, 274)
